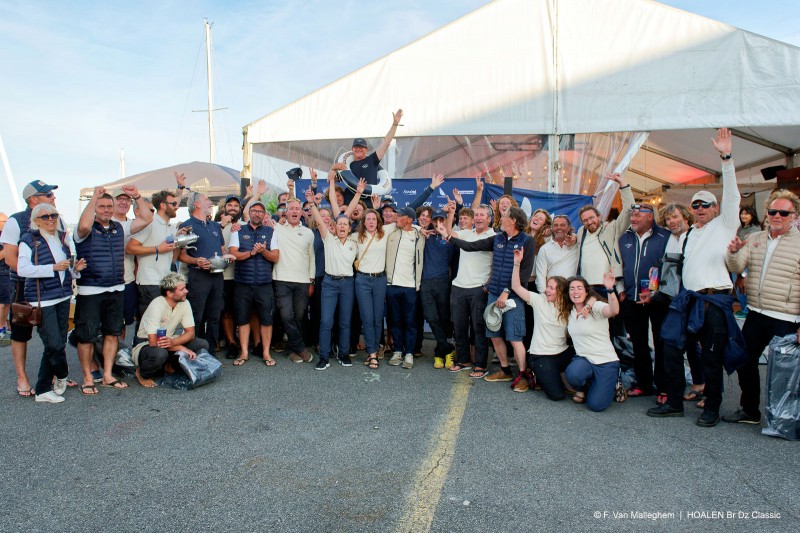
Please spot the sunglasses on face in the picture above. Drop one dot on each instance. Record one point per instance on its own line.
(45, 194)
(173, 204)
(781, 212)
(704, 205)
(51, 216)
(307, 209)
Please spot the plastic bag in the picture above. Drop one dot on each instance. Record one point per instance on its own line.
(201, 370)
(124, 359)
(783, 388)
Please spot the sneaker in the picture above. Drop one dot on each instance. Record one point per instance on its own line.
(739, 315)
(520, 384)
(60, 386)
(408, 362)
(448, 360)
(49, 397)
(97, 376)
(396, 359)
(532, 383)
(663, 411)
(498, 376)
(708, 419)
(322, 364)
(381, 350)
(438, 362)
(345, 360)
(740, 417)
(294, 358)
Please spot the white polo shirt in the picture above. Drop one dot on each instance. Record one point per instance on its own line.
(152, 267)
(473, 267)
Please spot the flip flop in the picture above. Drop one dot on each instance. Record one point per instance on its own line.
(693, 396)
(92, 388)
(458, 367)
(269, 362)
(71, 383)
(478, 373)
(114, 384)
(26, 393)
(372, 363)
(240, 361)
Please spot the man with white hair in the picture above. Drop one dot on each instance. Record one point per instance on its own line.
(772, 260)
(706, 277)
(205, 287)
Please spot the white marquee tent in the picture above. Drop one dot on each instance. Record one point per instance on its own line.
(628, 84)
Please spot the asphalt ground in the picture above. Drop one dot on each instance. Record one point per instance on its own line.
(289, 448)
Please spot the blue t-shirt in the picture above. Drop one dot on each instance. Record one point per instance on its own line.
(209, 238)
(438, 256)
(368, 169)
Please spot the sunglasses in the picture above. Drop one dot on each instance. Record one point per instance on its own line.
(45, 194)
(704, 205)
(781, 212)
(51, 216)
(307, 209)
(642, 207)
(173, 204)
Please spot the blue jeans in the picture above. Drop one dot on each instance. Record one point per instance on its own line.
(335, 292)
(402, 302)
(371, 293)
(604, 380)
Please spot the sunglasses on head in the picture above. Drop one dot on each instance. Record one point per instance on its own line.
(49, 216)
(704, 205)
(781, 212)
(642, 207)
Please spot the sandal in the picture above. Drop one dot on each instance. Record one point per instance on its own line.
(478, 373)
(269, 361)
(580, 397)
(701, 404)
(89, 390)
(26, 393)
(458, 367)
(693, 396)
(372, 363)
(240, 361)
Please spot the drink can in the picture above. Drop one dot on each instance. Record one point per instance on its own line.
(653, 286)
(161, 332)
(170, 239)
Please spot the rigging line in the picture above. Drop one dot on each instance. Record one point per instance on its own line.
(188, 95)
(219, 88)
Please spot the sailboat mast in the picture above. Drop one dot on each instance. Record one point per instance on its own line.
(210, 96)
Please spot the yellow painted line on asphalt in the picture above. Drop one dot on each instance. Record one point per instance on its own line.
(430, 477)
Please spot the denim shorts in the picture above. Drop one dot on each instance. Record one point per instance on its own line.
(513, 328)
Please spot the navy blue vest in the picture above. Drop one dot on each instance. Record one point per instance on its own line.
(23, 219)
(255, 270)
(104, 251)
(50, 288)
(503, 261)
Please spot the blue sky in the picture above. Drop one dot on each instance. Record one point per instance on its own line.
(79, 80)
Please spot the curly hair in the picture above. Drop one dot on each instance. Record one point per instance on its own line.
(538, 236)
(496, 211)
(669, 208)
(783, 194)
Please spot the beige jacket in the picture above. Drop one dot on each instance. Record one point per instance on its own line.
(780, 290)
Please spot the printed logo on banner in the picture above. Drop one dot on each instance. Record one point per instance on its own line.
(409, 191)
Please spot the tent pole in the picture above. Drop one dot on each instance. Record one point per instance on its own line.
(247, 162)
(553, 163)
(12, 185)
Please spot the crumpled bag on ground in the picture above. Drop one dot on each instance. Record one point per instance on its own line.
(783, 388)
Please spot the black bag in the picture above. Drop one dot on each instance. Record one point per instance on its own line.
(23, 313)
(783, 388)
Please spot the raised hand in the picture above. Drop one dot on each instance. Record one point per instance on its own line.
(457, 195)
(309, 195)
(98, 192)
(313, 173)
(396, 117)
(723, 142)
(249, 190)
(479, 183)
(180, 179)
(436, 181)
(362, 184)
(493, 205)
(609, 280)
(261, 187)
(338, 166)
(131, 190)
(736, 244)
(376, 201)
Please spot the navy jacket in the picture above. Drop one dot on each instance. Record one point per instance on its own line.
(51, 288)
(637, 261)
(104, 251)
(686, 316)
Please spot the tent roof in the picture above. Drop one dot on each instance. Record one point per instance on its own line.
(215, 181)
(570, 66)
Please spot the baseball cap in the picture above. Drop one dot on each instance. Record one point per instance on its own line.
(439, 214)
(407, 212)
(704, 196)
(387, 199)
(36, 187)
(359, 142)
(255, 204)
(119, 192)
(391, 205)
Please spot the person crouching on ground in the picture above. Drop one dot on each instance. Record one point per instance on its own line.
(596, 359)
(163, 316)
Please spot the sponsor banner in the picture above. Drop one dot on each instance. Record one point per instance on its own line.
(405, 190)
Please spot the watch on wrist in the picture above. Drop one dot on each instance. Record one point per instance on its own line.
(726, 157)
(181, 187)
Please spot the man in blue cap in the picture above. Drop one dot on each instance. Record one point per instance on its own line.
(367, 167)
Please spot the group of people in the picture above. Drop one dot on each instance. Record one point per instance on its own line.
(332, 264)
